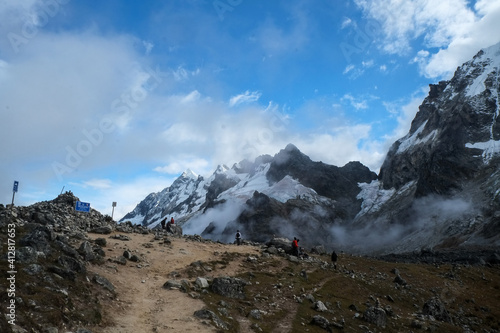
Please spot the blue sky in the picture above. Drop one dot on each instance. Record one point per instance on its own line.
(115, 99)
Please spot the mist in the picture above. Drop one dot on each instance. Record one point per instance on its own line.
(219, 216)
(409, 229)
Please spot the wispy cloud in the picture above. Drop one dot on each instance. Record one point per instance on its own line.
(246, 97)
(358, 104)
(185, 163)
(95, 184)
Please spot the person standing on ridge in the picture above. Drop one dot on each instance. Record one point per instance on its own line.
(238, 237)
(172, 220)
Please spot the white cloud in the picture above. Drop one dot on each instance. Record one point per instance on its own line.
(355, 103)
(246, 97)
(405, 112)
(95, 184)
(126, 194)
(367, 64)
(450, 25)
(184, 163)
(148, 46)
(182, 74)
(346, 23)
(349, 68)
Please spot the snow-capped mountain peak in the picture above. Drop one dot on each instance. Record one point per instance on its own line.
(189, 174)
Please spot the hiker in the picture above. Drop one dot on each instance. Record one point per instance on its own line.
(334, 259)
(172, 220)
(238, 237)
(169, 228)
(163, 223)
(295, 247)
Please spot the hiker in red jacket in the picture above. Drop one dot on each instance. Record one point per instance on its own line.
(295, 247)
(172, 220)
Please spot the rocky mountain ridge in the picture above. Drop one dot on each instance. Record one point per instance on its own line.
(283, 192)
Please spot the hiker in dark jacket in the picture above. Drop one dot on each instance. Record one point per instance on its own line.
(334, 259)
(238, 237)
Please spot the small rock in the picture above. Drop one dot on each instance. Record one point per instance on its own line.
(101, 241)
(399, 280)
(172, 284)
(102, 281)
(321, 322)
(320, 306)
(201, 283)
(256, 314)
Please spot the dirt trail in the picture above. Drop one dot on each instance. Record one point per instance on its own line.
(143, 304)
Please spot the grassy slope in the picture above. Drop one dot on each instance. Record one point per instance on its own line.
(278, 288)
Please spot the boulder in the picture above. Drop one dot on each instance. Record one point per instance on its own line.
(320, 249)
(320, 306)
(172, 284)
(280, 243)
(207, 314)
(376, 316)
(101, 241)
(106, 229)
(229, 287)
(201, 283)
(321, 322)
(434, 307)
(86, 251)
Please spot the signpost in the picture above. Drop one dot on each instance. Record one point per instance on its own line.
(82, 207)
(14, 190)
(112, 212)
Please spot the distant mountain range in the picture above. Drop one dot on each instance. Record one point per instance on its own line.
(439, 186)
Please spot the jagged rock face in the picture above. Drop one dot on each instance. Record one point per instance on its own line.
(263, 218)
(439, 184)
(339, 184)
(442, 149)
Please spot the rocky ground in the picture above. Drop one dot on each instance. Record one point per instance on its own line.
(86, 274)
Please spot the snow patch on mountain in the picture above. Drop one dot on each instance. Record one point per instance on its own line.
(490, 149)
(373, 196)
(413, 139)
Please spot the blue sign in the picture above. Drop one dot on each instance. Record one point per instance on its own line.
(82, 206)
(16, 185)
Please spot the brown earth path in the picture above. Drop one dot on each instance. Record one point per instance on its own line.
(141, 303)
